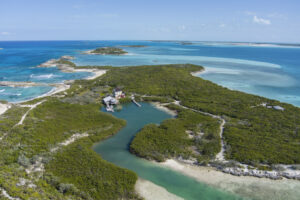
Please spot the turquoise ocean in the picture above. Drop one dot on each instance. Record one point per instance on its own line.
(272, 71)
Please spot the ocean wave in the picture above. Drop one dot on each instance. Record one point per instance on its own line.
(130, 54)
(3, 90)
(216, 70)
(44, 76)
(11, 94)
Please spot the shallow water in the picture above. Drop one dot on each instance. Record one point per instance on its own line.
(115, 150)
(273, 72)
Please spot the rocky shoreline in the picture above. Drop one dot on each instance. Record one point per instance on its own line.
(253, 187)
(64, 67)
(275, 175)
(239, 169)
(286, 171)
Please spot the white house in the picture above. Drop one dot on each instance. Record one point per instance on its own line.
(118, 94)
(278, 108)
(110, 100)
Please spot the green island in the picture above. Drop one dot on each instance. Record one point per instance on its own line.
(107, 51)
(49, 155)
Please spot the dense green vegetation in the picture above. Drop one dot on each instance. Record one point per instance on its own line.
(56, 121)
(66, 62)
(253, 133)
(108, 51)
(94, 177)
(71, 172)
(190, 135)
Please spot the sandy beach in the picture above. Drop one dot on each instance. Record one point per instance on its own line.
(96, 73)
(4, 108)
(161, 107)
(61, 87)
(197, 73)
(246, 186)
(151, 191)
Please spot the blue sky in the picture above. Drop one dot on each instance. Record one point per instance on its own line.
(212, 20)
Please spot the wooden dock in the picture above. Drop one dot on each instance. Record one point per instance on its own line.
(134, 101)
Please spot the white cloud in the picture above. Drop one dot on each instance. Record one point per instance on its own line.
(222, 25)
(181, 28)
(5, 33)
(261, 20)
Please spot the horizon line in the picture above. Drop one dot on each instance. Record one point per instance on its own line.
(155, 40)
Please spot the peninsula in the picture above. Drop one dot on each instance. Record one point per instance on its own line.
(225, 130)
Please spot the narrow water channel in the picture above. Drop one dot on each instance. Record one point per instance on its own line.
(116, 150)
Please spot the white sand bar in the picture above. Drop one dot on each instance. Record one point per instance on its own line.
(246, 186)
(96, 73)
(150, 191)
(161, 107)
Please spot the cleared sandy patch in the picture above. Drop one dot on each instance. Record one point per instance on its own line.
(4, 108)
(96, 73)
(31, 108)
(161, 107)
(150, 191)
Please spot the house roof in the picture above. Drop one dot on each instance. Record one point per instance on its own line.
(278, 107)
(108, 99)
(117, 90)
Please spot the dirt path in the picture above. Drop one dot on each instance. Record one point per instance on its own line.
(220, 155)
(31, 108)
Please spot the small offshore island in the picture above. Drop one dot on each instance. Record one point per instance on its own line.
(106, 51)
(46, 143)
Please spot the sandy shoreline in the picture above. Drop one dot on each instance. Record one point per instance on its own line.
(4, 108)
(151, 191)
(96, 73)
(161, 107)
(57, 89)
(61, 87)
(246, 186)
(198, 73)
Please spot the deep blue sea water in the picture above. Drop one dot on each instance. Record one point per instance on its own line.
(273, 72)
